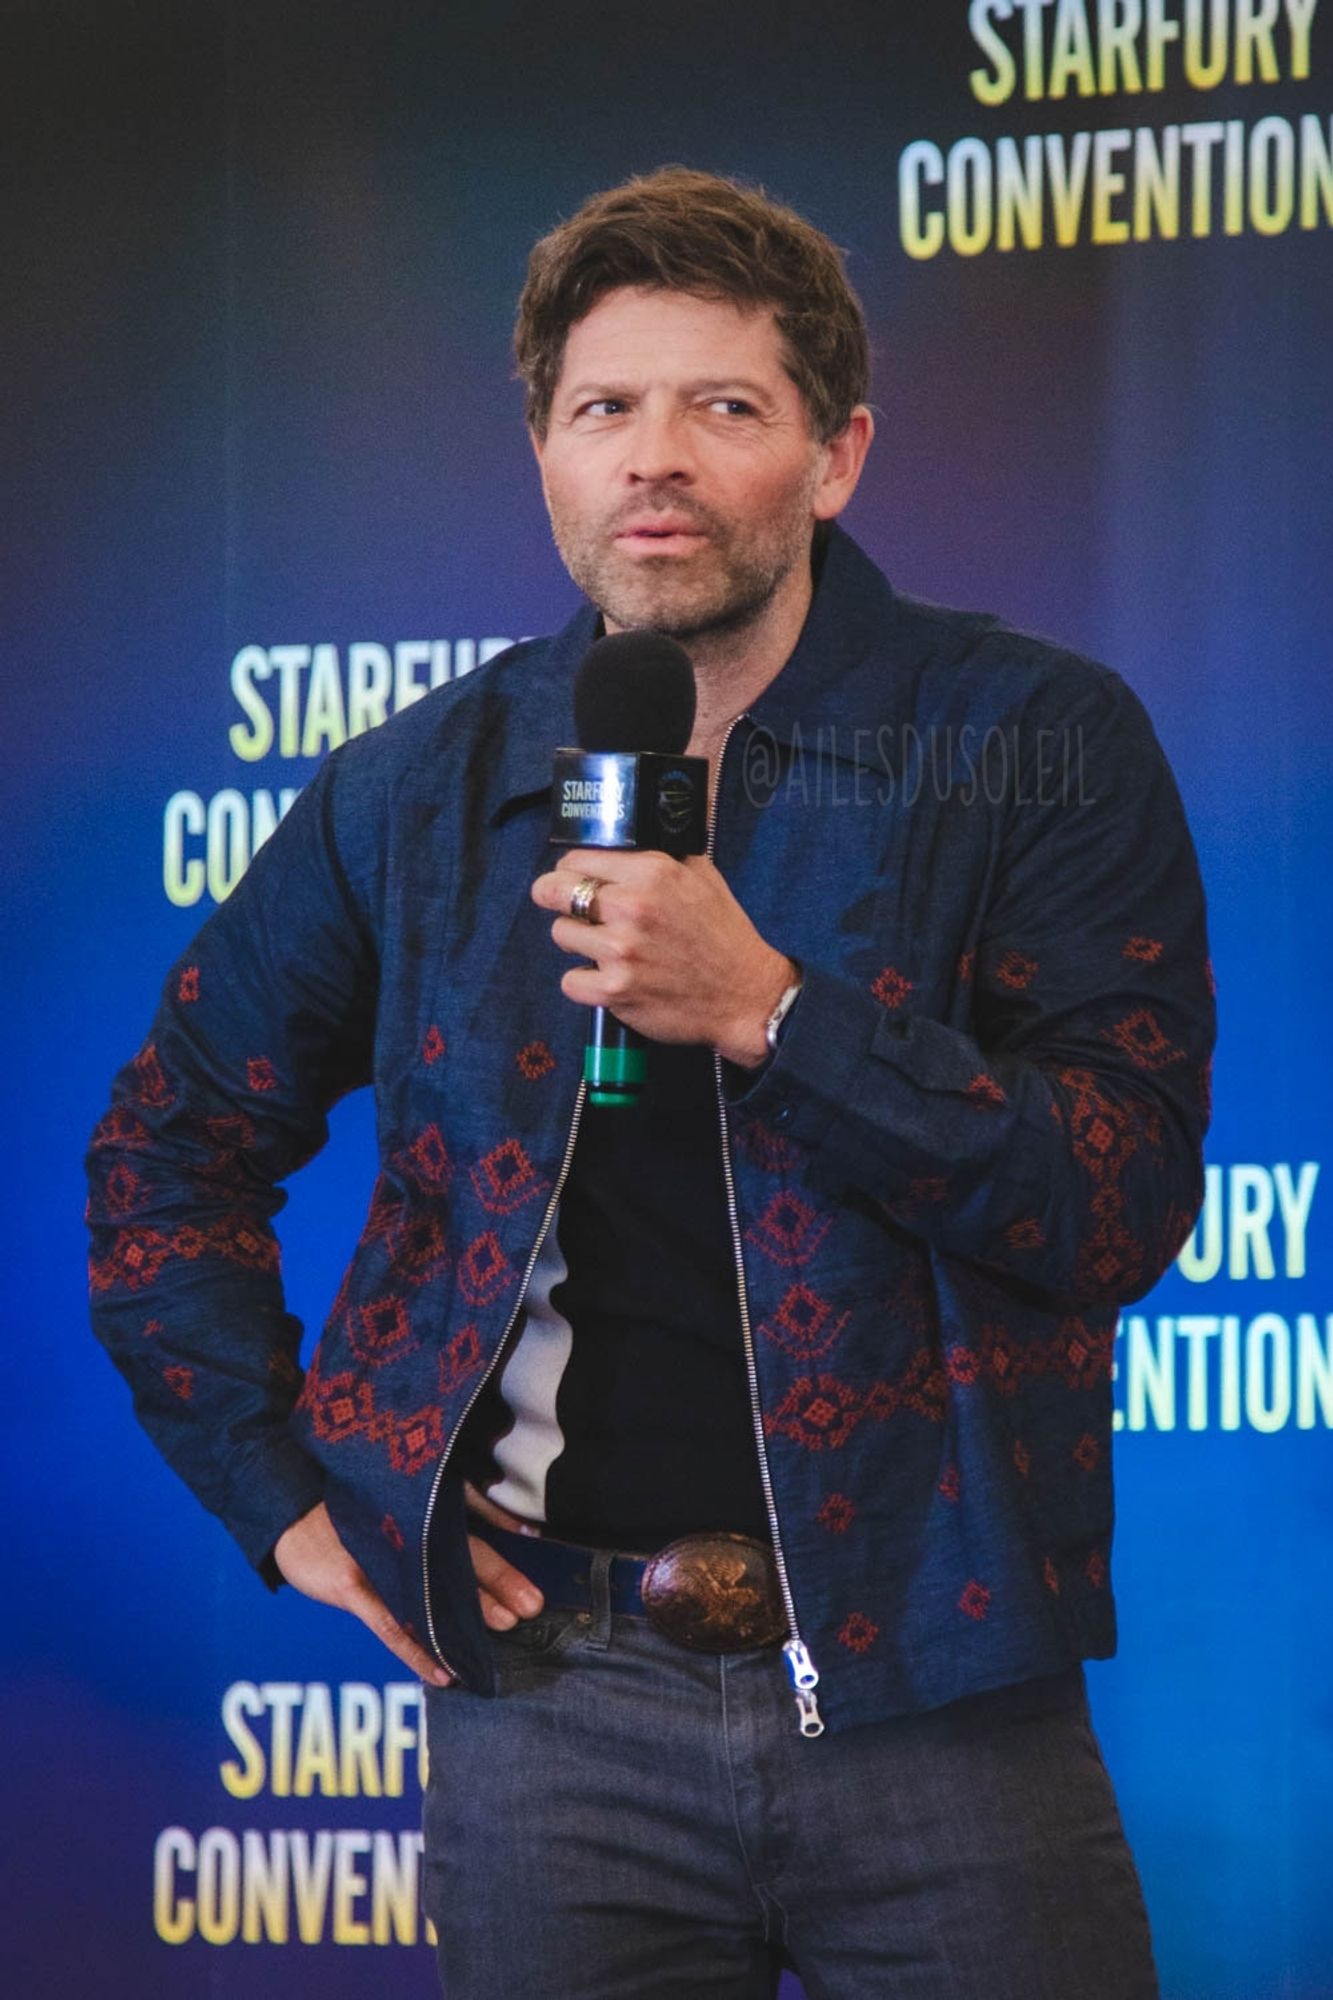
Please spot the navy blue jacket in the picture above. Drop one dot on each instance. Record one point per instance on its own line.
(980, 1136)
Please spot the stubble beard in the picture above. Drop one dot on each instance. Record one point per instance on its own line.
(660, 595)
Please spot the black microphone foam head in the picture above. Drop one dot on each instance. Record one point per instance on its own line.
(635, 691)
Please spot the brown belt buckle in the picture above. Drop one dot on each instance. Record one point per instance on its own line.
(714, 1593)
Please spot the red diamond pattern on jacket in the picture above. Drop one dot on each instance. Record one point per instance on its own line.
(1110, 1258)
(339, 1406)
(803, 1323)
(187, 987)
(891, 987)
(1142, 1040)
(242, 1241)
(232, 1133)
(427, 1160)
(484, 1272)
(985, 1093)
(137, 1255)
(1095, 1569)
(1025, 1234)
(818, 1412)
(380, 1331)
(1016, 971)
(123, 1189)
(1050, 1576)
(150, 1079)
(963, 1364)
(1087, 1452)
(461, 1359)
(1000, 1359)
(505, 1178)
(858, 1633)
(342, 1407)
(1082, 1358)
(1103, 1133)
(433, 1046)
(420, 1251)
(967, 964)
(836, 1513)
(391, 1532)
(766, 1148)
(951, 1484)
(180, 1380)
(534, 1061)
(1144, 950)
(260, 1074)
(975, 1600)
(121, 1129)
(789, 1230)
(413, 1442)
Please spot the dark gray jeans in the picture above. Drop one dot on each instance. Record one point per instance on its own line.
(629, 1819)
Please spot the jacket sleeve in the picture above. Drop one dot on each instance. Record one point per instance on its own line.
(1060, 1141)
(264, 1023)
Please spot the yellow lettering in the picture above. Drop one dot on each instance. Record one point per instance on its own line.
(183, 880)
(995, 85)
(325, 720)
(173, 1914)
(1206, 73)
(245, 1779)
(1156, 183)
(251, 664)
(348, 1884)
(1254, 37)
(1106, 185)
(1071, 52)
(1119, 23)
(921, 235)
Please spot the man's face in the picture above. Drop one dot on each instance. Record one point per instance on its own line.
(679, 468)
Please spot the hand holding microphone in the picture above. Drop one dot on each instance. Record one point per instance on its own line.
(675, 956)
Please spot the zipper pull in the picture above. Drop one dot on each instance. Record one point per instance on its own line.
(801, 1669)
(804, 1677)
(807, 1708)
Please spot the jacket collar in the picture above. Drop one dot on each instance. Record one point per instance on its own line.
(836, 680)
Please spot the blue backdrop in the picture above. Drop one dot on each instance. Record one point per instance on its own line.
(269, 476)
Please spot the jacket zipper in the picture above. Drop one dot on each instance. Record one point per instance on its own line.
(801, 1669)
(551, 1207)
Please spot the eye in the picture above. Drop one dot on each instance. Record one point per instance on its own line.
(732, 406)
(602, 406)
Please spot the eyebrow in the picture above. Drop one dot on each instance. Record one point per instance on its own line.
(721, 385)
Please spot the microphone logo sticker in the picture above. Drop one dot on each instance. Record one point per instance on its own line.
(675, 800)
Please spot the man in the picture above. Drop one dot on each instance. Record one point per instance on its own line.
(752, 1446)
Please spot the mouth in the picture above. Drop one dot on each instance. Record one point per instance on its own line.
(660, 538)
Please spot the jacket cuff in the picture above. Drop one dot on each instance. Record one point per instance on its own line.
(279, 1484)
(826, 1039)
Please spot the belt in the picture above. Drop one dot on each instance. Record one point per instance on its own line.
(715, 1593)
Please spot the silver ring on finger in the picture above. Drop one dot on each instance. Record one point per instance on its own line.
(582, 902)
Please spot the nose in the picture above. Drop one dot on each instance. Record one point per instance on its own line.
(659, 451)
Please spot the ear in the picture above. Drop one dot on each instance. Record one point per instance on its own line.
(844, 455)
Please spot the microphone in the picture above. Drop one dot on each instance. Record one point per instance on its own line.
(632, 688)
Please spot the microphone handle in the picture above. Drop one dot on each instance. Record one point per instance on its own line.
(615, 1060)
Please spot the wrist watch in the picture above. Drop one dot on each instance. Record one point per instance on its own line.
(773, 1025)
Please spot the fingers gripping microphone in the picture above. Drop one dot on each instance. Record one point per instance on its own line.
(633, 688)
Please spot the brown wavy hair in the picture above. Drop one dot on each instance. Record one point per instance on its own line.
(686, 231)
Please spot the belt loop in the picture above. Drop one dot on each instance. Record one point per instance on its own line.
(599, 1633)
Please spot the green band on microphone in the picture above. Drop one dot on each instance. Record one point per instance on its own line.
(614, 1075)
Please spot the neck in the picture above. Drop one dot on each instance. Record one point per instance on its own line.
(732, 669)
